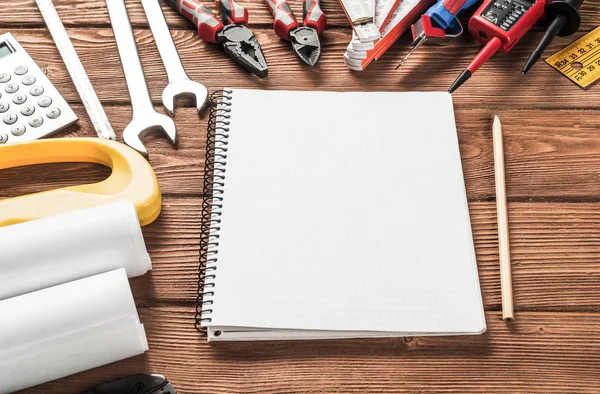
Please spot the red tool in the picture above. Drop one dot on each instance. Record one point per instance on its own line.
(499, 24)
(439, 25)
(233, 33)
(305, 39)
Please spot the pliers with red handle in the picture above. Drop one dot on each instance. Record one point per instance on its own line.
(305, 39)
(238, 41)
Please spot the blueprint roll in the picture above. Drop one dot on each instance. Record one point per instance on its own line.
(66, 329)
(46, 252)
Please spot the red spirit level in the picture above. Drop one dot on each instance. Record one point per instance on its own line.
(499, 24)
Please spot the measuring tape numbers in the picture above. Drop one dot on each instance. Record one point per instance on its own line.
(580, 61)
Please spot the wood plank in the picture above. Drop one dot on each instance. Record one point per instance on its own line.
(498, 85)
(549, 156)
(93, 12)
(75, 13)
(552, 156)
(555, 252)
(538, 353)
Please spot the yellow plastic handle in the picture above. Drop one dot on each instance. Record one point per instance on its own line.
(132, 179)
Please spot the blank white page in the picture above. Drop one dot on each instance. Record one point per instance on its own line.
(345, 212)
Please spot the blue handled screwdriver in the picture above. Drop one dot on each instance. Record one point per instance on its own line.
(439, 24)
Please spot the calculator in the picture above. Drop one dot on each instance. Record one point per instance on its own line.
(30, 106)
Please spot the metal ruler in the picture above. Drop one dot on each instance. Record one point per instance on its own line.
(580, 61)
(76, 70)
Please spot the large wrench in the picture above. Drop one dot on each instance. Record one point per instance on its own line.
(144, 118)
(179, 82)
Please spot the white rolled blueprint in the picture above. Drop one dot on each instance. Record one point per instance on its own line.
(66, 329)
(46, 252)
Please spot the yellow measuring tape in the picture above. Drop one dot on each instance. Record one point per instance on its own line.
(580, 61)
(132, 179)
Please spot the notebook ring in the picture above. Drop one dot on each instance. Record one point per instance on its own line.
(212, 203)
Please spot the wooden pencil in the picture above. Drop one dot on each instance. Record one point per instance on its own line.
(503, 238)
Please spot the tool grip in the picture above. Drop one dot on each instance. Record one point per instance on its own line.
(454, 6)
(200, 15)
(285, 21)
(313, 16)
(485, 54)
(444, 12)
(232, 13)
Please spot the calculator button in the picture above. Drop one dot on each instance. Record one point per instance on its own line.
(21, 70)
(10, 118)
(11, 88)
(3, 138)
(53, 113)
(28, 80)
(36, 121)
(4, 77)
(19, 98)
(4, 106)
(18, 130)
(44, 101)
(27, 110)
(36, 90)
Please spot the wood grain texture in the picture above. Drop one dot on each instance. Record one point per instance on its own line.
(497, 85)
(539, 352)
(550, 156)
(555, 255)
(71, 11)
(552, 147)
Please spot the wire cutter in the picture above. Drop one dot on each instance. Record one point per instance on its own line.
(305, 40)
(439, 24)
(238, 41)
(137, 384)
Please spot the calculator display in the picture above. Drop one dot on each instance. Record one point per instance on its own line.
(4, 50)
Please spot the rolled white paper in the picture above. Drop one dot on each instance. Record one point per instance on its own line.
(66, 329)
(46, 252)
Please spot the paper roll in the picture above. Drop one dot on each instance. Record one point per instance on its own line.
(66, 329)
(42, 253)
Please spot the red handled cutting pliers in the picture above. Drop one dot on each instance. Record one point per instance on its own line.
(305, 39)
(238, 41)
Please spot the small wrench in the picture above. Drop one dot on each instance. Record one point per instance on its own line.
(144, 117)
(179, 82)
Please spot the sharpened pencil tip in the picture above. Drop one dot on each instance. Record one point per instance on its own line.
(497, 125)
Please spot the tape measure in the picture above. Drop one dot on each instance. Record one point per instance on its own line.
(131, 179)
(580, 61)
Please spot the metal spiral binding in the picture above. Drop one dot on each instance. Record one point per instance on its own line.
(214, 181)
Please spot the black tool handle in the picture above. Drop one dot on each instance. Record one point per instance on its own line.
(569, 9)
(136, 384)
(564, 20)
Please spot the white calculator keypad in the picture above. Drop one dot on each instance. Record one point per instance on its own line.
(30, 106)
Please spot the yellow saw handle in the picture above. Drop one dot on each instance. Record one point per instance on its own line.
(132, 179)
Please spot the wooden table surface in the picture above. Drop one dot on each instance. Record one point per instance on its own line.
(552, 139)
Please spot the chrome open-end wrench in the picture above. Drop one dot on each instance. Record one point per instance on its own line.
(179, 83)
(144, 118)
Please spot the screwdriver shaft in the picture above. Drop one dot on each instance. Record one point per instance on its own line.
(417, 43)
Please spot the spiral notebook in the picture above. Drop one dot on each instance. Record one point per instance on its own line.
(335, 215)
